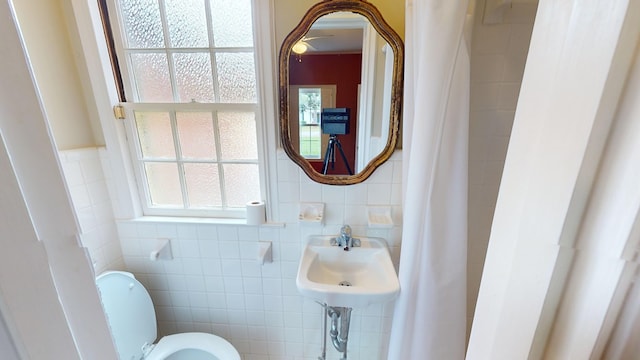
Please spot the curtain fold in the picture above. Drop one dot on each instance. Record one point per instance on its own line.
(430, 314)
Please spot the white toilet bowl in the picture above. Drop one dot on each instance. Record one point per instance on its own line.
(132, 319)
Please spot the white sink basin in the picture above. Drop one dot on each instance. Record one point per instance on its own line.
(356, 278)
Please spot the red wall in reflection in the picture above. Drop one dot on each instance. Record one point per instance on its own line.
(343, 70)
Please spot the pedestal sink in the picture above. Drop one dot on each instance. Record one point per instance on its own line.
(359, 277)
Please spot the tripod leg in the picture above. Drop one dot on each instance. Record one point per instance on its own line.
(333, 156)
(327, 156)
(344, 158)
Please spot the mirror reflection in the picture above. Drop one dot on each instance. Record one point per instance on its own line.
(340, 91)
(342, 63)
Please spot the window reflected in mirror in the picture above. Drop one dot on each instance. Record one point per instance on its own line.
(306, 132)
(309, 100)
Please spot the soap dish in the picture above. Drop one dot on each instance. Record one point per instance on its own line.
(379, 217)
(311, 212)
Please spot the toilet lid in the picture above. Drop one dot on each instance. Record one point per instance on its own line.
(129, 311)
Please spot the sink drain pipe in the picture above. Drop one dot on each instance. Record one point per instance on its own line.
(340, 334)
(340, 320)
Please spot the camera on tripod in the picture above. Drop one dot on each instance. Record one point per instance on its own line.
(335, 121)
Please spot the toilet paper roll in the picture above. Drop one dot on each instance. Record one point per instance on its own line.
(256, 213)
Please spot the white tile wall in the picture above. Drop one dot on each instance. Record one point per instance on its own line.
(215, 284)
(498, 58)
(86, 182)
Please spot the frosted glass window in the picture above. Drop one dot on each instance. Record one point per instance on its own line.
(242, 183)
(193, 77)
(155, 135)
(179, 68)
(142, 24)
(195, 130)
(151, 77)
(203, 185)
(189, 72)
(164, 184)
(187, 23)
(236, 77)
(232, 24)
(238, 135)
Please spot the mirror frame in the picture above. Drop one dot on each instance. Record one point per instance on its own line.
(372, 14)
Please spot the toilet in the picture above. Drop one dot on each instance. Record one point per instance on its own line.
(132, 319)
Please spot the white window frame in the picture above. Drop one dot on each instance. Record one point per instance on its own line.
(264, 111)
(139, 162)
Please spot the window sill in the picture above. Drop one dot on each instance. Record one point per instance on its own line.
(201, 220)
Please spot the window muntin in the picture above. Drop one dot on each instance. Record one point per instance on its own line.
(188, 50)
(191, 73)
(188, 163)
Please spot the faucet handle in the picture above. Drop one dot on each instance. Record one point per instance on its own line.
(345, 230)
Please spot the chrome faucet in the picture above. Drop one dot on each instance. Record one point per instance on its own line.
(345, 240)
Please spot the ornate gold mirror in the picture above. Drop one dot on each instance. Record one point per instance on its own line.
(340, 87)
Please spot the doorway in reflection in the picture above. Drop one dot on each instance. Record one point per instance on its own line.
(338, 78)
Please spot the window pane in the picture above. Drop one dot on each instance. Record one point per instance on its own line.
(236, 77)
(203, 185)
(151, 77)
(232, 25)
(310, 141)
(141, 21)
(195, 131)
(193, 77)
(164, 185)
(309, 100)
(154, 132)
(238, 135)
(242, 184)
(187, 23)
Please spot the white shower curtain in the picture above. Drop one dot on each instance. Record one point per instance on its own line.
(430, 315)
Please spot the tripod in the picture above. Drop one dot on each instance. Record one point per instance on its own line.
(330, 155)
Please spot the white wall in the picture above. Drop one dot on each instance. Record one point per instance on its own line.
(7, 348)
(605, 263)
(49, 298)
(55, 66)
(543, 292)
(214, 284)
(498, 56)
(87, 184)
